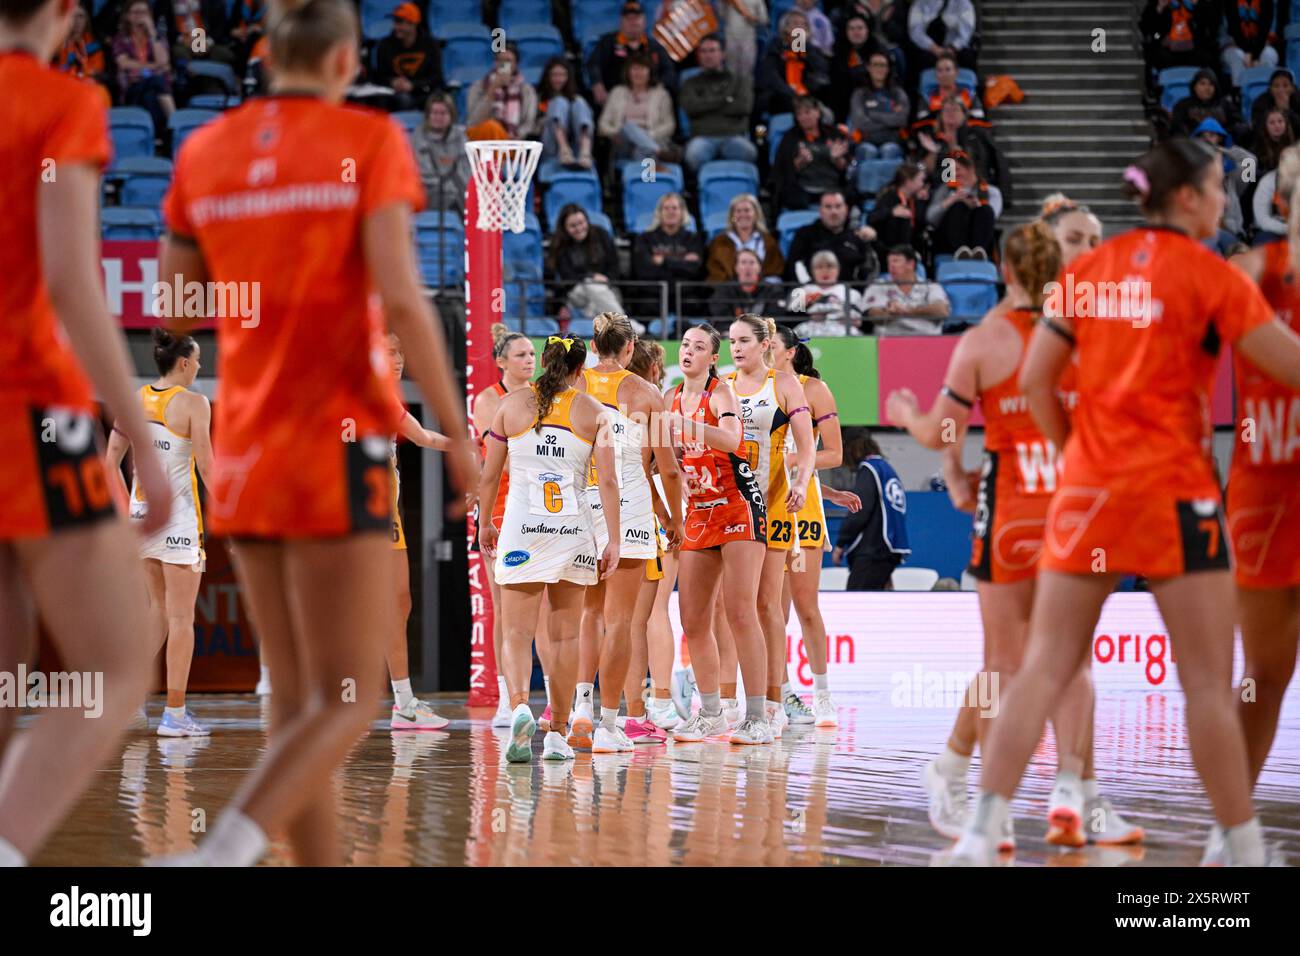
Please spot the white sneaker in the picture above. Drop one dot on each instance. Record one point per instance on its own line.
(1216, 848)
(580, 727)
(663, 714)
(1104, 826)
(797, 713)
(263, 688)
(1007, 839)
(416, 715)
(776, 718)
(973, 849)
(610, 742)
(751, 732)
(555, 747)
(522, 728)
(947, 801)
(732, 712)
(504, 715)
(824, 710)
(1065, 813)
(683, 690)
(699, 727)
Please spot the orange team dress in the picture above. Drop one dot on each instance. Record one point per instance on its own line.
(1020, 474)
(498, 506)
(1264, 482)
(52, 476)
(723, 499)
(1139, 493)
(275, 192)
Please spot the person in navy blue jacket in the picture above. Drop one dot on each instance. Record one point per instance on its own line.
(873, 541)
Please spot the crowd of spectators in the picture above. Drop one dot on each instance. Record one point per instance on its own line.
(865, 148)
(1240, 98)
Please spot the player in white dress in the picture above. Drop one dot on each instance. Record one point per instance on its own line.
(631, 407)
(547, 542)
(173, 556)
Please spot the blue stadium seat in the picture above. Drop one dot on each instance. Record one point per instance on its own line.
(639, 199)
(714, 224)
(1174, 83)
(184, 122)
(671, 172)
(722, 179)
(778, 125)
(132, 132)
(514, 14)
(377, 18)
(129, 222)
(1292, 36)
(523, 248)
(409, 120)
(144, 190)
(591, 18)
(874, 175)
(790, 222)
(1254, 83)
(966, 79)
(441, 13)
(440, 245)
(600, 219)
(466, 53)
(213, 101)
(220, 72)
(684, 121)
(537, 44)
(582, 188)
(971, 285)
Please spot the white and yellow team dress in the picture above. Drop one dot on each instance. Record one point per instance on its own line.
(180, 541)
(810, 522)
(766, 426)
(547, 531)
(636, 507)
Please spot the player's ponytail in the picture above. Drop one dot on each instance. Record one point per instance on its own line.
(168, 349)
(1034, 258)
(303, 31)
(1164, 169)
(611, 331)
(647, 355)
(560, 359)
(802, 362)
(1288, 187)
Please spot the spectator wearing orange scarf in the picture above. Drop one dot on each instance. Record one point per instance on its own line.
(791, 68)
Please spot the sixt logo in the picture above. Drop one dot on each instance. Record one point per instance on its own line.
(735, 529)
(512, 559)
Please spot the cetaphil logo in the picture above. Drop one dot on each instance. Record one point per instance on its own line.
(512, 559)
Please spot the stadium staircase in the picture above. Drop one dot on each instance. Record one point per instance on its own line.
(1082, 120)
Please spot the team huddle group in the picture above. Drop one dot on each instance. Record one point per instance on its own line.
(592, 502)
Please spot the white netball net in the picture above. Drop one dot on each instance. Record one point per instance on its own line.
(502, 169)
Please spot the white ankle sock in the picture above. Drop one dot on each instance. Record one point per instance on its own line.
(991, 813)
(785, 689)
(1246, 843)
(1090, 789)
(265, 673)
(820, 683)
(952, 765)
(9, 855)
(609, 717)
(235, 841)
(503, 692)
(585, 694)
(402, 691)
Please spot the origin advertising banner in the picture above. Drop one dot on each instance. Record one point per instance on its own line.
(921, 649)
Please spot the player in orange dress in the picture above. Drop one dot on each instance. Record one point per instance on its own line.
(1145, 315)
(65, 554)
(306, 204)
(1016, 485)
(1263, 497)
(725, 537)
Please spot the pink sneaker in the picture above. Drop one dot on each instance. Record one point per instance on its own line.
(643, 732)
(544, 725)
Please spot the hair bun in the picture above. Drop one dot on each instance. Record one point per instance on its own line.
(600, 323)
(161, 337)
(499, 330)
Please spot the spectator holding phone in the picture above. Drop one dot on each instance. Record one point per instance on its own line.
(144, 70)
(504, 96)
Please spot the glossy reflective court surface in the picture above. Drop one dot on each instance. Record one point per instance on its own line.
(847, 796)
